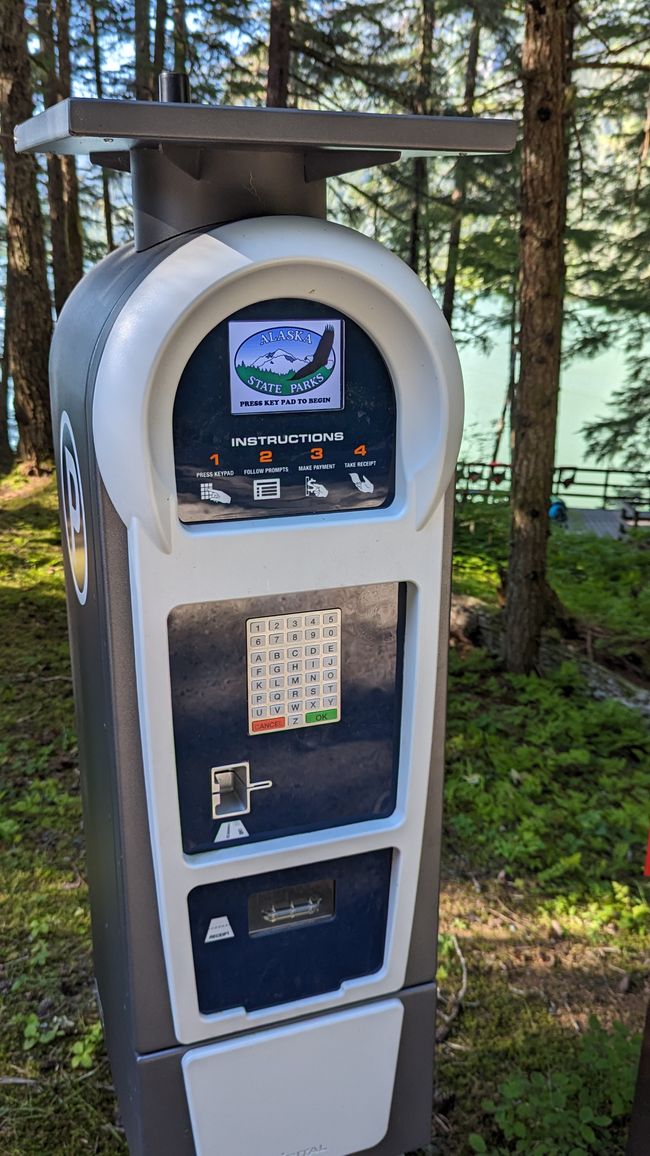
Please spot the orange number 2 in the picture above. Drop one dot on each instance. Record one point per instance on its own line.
(266, 455)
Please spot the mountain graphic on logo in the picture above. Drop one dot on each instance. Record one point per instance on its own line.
(269, 366)
(280, 362)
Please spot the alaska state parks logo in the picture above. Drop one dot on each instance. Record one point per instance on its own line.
(285, 366)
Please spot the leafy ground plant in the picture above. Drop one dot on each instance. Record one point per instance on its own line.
(544, 780)
(604, 584)
(571, 1109)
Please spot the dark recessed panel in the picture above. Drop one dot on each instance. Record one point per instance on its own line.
(237, 965)
(285, 408)
(242, 778)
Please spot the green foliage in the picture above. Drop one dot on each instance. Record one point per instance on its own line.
(622, 433)
(576, 1108)
(84, 1051)
(47, 1003)
(618, 905)
(480, 550)
(603, 583)
(535, 769)
(606, 585)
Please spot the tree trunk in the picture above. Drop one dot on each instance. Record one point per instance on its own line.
(421, 105)
(545, 65)
(74, 237)
(460, 182)
(55, 195)
(159, 39)
(512, 369)
(142, 77)
(180, 36)
(99, 86)
(277, 85)
(6, 452)
(30, 321)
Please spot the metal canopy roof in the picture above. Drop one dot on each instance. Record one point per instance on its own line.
(95, 126)
(194, 166)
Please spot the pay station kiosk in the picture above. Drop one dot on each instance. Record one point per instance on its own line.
(257, 417)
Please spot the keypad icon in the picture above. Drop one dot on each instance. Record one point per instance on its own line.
(294, 670)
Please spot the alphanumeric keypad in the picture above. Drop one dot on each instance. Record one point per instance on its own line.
(294, 670)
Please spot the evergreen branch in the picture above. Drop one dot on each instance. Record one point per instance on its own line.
(619, 65)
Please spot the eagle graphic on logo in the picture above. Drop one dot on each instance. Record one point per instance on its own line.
(284, 360)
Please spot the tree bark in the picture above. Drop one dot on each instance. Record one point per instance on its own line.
(99, 86)
(460, 182)
(6, 452)
(74, 235)
(421, 105)
(277, 85)
(180, 36)
(142, 77)
(545, 65)
(30, 320)
(513, 350)
(159, 39)
(55, 195)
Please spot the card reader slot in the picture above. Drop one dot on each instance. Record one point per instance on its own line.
(232, 789)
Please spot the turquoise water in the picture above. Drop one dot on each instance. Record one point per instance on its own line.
(586, 385)
(585, 388)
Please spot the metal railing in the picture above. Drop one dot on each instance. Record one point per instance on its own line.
(576, 485)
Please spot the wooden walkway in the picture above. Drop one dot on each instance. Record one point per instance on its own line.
(604, 523)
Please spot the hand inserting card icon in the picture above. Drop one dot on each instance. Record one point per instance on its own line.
(210, 494)
(314, 489)
(363, 484)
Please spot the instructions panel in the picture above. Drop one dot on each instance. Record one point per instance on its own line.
(285, 408)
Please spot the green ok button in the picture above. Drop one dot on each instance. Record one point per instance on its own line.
(318, 716)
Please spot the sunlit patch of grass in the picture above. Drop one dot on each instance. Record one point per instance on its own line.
(57, 1094)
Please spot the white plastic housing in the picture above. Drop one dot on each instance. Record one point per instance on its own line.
(159, 327)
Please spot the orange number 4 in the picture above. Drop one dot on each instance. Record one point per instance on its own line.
(361, 451)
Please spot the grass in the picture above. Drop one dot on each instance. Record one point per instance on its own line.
(57, 1095)
(546, 812)
(603, 583)
(546, 818)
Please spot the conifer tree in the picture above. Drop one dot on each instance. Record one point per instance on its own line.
(29, 324)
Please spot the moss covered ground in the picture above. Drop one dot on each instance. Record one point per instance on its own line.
(543, 907)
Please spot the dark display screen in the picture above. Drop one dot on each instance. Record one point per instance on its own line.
(285, 408)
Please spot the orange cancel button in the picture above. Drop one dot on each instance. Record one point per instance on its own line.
(268, 724)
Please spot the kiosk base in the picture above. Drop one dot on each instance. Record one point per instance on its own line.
(160, 1120)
